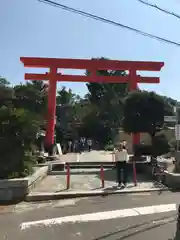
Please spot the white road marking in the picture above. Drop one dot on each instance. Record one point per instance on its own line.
(99, 216)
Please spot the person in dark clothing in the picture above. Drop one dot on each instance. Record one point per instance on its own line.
(121, 173)
(89, 142)
(121, 157)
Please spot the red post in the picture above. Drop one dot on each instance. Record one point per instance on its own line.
(102, 176)
(51, 108)
(67, 176)
(136, 136)
(133, 87)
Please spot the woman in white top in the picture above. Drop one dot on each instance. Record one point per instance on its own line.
(121, 158)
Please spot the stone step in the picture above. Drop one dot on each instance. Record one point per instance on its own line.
(91, 165)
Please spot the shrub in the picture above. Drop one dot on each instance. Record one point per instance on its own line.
(173, 144)
(160, 144)
(142, 149)
(18, 133)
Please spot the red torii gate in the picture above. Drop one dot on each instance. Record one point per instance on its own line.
(92, 66)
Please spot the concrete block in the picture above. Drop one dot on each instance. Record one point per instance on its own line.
(5, 194)
(18, 188)
(172, 180)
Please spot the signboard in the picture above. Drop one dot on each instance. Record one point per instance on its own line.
(177, 131)
(170, 118)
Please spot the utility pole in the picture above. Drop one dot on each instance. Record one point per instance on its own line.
(177, 135)
(177, 126)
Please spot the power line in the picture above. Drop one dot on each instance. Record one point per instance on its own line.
(159, 8)
(105, 20)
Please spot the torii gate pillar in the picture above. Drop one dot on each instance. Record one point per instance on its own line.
(51, 116)
(133, 87)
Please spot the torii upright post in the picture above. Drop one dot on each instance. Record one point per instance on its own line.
(93, 66)
(133, 87)
(51, 107)
(135, 136)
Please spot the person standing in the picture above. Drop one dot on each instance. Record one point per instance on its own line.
(124, 145)
(121, 158)
(82, 143)
(69, 146)
(89, 142)
(75, 146)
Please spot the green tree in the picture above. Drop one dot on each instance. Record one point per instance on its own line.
(22, 112)
(160, 144)
(31, 96)
(18, 134)
(107, 99)
(65, 97)
(69, 114)
(6, 92)
(144, 112)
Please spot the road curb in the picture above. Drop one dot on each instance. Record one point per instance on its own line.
(46, 196)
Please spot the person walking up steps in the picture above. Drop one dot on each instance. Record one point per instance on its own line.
(121, 157)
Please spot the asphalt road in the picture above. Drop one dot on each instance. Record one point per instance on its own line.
(106, 225)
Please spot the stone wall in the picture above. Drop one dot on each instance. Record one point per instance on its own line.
(172, 180)
(16, 189)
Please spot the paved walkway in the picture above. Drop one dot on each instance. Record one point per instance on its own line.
(96, 156)
(88, 180)
(102, 156)
(93, 156)
(70, 157)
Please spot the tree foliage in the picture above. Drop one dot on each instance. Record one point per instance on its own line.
(65, 97)
(144, 112)
(31, 96)
(21, 115)
(107, 102)
(70, 112)
(18, 132)
(6, 92)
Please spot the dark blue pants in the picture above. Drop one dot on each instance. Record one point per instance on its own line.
(121, 168)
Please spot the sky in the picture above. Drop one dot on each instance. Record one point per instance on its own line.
(31, 28)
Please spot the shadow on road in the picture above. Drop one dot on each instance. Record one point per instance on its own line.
(163, 221)
(143, 181)
(110, 175)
